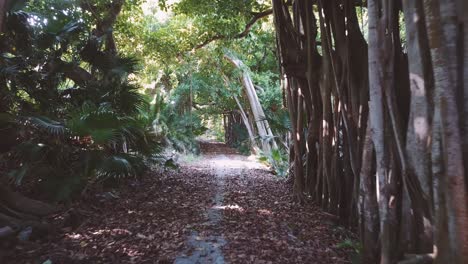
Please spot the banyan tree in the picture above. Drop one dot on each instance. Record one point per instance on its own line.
(377, 92)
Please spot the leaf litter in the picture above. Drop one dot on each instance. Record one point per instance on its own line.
(220, 208)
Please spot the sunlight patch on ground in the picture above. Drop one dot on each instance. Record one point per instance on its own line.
(74, 236)
(264, 212)
(230, 207)
(116, 231)
(227, 162)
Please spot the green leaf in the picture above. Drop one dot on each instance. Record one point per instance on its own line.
(104, 136)
(116, 167)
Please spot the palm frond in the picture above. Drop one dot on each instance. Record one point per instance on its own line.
(125, 65)
(104, 136)
(115, 167)
(128, 100)
(51, 126)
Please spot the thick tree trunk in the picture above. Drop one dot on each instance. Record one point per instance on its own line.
(418, 132)
(453, 176)
(376, 84)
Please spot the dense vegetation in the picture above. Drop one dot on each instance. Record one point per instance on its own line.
(96, 91)
(359, 104)
(69, 105)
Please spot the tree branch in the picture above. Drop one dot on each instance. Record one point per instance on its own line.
(242, 34)
(72, 71)
(104, 25)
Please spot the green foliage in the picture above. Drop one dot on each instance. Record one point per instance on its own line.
(278, 160)
(97, 128)
(279, 121)
(80, 110)
(181, 130)
(90, 145)
(353, 245)
(242, 142)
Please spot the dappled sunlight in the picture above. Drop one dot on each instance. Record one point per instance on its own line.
(74, 236)
(190, 131)
(264, 212)
(115, 231)
(226, 162)
(234, 207)
(421, 127)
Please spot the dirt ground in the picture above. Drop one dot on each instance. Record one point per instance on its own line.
(220, 207)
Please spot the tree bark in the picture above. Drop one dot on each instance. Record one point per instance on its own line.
(378, 27)
(420, 142)
(264, 131)
(369, 208)
(464, 8)
(245, 119)
(418, 132)
(453, 177)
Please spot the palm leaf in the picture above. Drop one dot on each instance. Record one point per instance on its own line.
(125, 65)
(104, 136)
(49, 125)
(116, 167)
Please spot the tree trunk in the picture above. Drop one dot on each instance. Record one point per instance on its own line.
(264, 131)
(418, 132)
(464, 11)
(369, 208)
(246, 122)
(377, 123)
(453, 176)
(420, 142)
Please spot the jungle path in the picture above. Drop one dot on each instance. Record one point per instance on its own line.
(221, 207)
